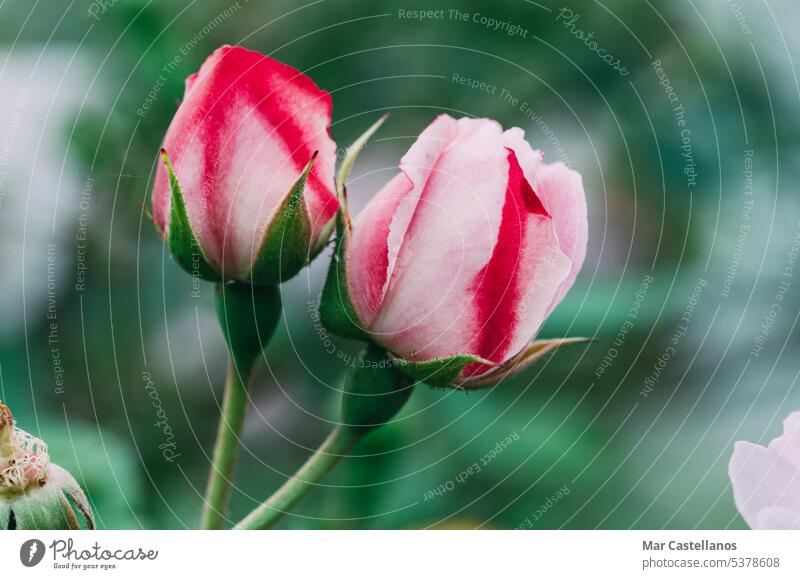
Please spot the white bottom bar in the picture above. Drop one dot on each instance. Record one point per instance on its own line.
(402, 554)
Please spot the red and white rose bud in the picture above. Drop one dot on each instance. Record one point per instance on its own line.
(247, 184)
(35, 493)
(456, 263)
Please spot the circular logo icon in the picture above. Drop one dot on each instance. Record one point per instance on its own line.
(32, 552)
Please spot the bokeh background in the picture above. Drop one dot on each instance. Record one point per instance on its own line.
(109, 353)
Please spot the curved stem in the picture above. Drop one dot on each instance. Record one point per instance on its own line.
(226, 449)
(339, 442)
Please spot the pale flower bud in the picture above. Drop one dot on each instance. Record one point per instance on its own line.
(34, 493)
(457, 262)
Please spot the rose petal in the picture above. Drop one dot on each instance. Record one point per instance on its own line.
(368, 255)
(761, 479)
(561, 191)
(441, 237)
(517, 286)
(787, 445)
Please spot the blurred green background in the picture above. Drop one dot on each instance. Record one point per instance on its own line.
(693, 230)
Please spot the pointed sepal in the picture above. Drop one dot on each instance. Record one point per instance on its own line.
(286, 246)
(352, 154)
(336, 309)
(183, 244)
(341, 180)
(337, 312)
(439, 372)
(534, 352)
(72, 491)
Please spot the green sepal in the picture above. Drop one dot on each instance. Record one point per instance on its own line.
(341, 178)
(248, 316)
(5, 514)
(352, 154)
(336, 308)
(286, 246)
(531, 354)
(72, 490)
(43, 508)
(336, 305)
(374, 392)
(183, 244)
(439, 372)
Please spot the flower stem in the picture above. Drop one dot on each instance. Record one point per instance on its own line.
(372, 394)
(247, 316)
(340, 441)
(226, 449)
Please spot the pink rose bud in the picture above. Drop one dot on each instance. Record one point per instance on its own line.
(247, 183)
(455, 264)
(35, 493)
(766, 481)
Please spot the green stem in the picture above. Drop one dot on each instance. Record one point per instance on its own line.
(226, 449)
(340, 441)
(373, 393)
(248, 316)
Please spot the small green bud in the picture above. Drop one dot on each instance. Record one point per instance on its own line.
(34, 493)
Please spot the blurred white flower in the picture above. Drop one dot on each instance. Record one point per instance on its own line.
(766, 481)
(40, 186)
